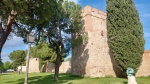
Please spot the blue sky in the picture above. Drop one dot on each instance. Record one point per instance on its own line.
(143, 7)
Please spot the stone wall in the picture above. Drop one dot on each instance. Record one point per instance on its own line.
(64, 67)
(144, 69)
(23, 68)
(93, 59)
(34, 65)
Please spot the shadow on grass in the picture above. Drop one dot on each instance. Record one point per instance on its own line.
(48, 79)
(125, 82)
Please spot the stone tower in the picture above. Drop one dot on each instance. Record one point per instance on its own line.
(93, 59)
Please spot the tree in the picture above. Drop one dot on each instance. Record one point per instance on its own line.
(56, 19)
(7, 65)
(1, 66)
(18, 57)
(65, 21)
(29, 12)
(125, 33)
(43, 51)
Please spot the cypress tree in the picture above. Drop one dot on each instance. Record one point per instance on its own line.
(125, 33)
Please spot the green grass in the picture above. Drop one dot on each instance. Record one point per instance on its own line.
(47, 78)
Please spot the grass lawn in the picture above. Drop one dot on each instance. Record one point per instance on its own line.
(47, 78)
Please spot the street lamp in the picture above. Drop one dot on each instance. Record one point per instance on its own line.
(30, 39)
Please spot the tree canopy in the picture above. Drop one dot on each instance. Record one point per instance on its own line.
(21, 17)
(1, 65)
(57, 19)
(7, 65)
(125, 33)
(18, 57)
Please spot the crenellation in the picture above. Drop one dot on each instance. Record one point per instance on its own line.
(88, 10)
(95, 10)
(105, 14)
(101, 12)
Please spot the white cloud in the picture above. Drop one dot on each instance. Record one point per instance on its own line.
(76, 1)
(5, 56)
(14, 43)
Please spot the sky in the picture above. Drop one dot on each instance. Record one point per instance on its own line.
(143, 7)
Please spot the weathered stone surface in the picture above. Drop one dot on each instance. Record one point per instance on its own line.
(64, 67)
(93, 59)
(34, 65)
(144, 69)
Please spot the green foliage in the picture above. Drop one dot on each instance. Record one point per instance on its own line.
(74, 11)
(57, 19)
(40, 64)
(18, 57)
(125, 33)
(14, 66)
(29, 11)
(1, 65)
(76, 27)
(79, 40)
(44, 52)
(7, 65)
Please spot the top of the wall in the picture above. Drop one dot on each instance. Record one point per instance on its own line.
(146, 51)
(88, 10)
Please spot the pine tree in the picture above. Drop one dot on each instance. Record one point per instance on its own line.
(18, 57)
(125, 33)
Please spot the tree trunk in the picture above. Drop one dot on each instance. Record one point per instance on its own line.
(57, 64)
(47, 66)
(0, 53)
(7, 30)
